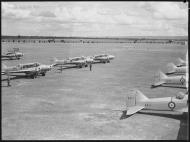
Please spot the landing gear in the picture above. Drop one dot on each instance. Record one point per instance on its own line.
(86, 65)
(32, 76)
(43, 74)
(108, 61)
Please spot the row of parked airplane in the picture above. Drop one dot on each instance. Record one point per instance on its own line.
(178, 79)
(84, 61)
(137, 101)
(34, 69)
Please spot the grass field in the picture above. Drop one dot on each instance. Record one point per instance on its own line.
(80, 104)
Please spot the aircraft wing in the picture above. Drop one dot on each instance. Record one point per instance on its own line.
(133, 109)
(7, 56)
(185, 109)
(23, 71)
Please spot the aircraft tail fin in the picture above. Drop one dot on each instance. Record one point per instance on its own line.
(180, 62)
(171, 68)
(53, 59)
(159, 79)
(3, 66)
(134, 98)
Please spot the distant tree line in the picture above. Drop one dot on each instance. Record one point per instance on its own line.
(41, 39)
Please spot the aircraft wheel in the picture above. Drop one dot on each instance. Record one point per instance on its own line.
(104, 62)
(108, 61)
(86, 65)
(32, 76)
(43, 74)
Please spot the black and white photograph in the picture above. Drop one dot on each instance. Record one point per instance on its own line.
(94, 70)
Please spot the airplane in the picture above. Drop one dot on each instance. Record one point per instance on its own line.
(137, 101)
(173, 69)
(170, 81)
(103, 58)
(86, 60)
(42, 68)
(30, 69)
(181, 62)
(12, 55)
(31, 72)
(78, 61)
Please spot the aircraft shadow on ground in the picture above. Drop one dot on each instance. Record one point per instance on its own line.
(183, 133)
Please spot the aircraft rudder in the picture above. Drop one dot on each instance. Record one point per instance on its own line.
(3, 66)
(162, 75)
(171, 68)
(134, 97)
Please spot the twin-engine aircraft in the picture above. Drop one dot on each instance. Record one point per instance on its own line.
(137, 101)
(103, 58)
(162, 79)
(14, 54)
(30, 69)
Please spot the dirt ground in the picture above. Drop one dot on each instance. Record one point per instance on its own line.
(82, 104)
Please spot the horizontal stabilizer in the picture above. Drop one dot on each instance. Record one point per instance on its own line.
(171, 68)
(133, 109)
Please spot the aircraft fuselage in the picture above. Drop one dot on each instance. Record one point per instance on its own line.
(166, 103)
(181, 80)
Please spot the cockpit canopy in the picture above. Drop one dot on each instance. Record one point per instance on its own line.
(29, 65)
(180, 95)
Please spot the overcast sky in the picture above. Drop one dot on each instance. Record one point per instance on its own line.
(94, 18)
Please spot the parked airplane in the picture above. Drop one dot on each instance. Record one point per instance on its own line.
(173, 69)
(103, 58)
(32, 71)
(13, 54)
(171, 81)
(181, 62)
(137, 101)
(78, 61)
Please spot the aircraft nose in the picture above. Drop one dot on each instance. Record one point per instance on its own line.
(47, 68)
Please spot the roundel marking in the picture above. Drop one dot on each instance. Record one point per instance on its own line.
(171, 105)
(182, 80)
